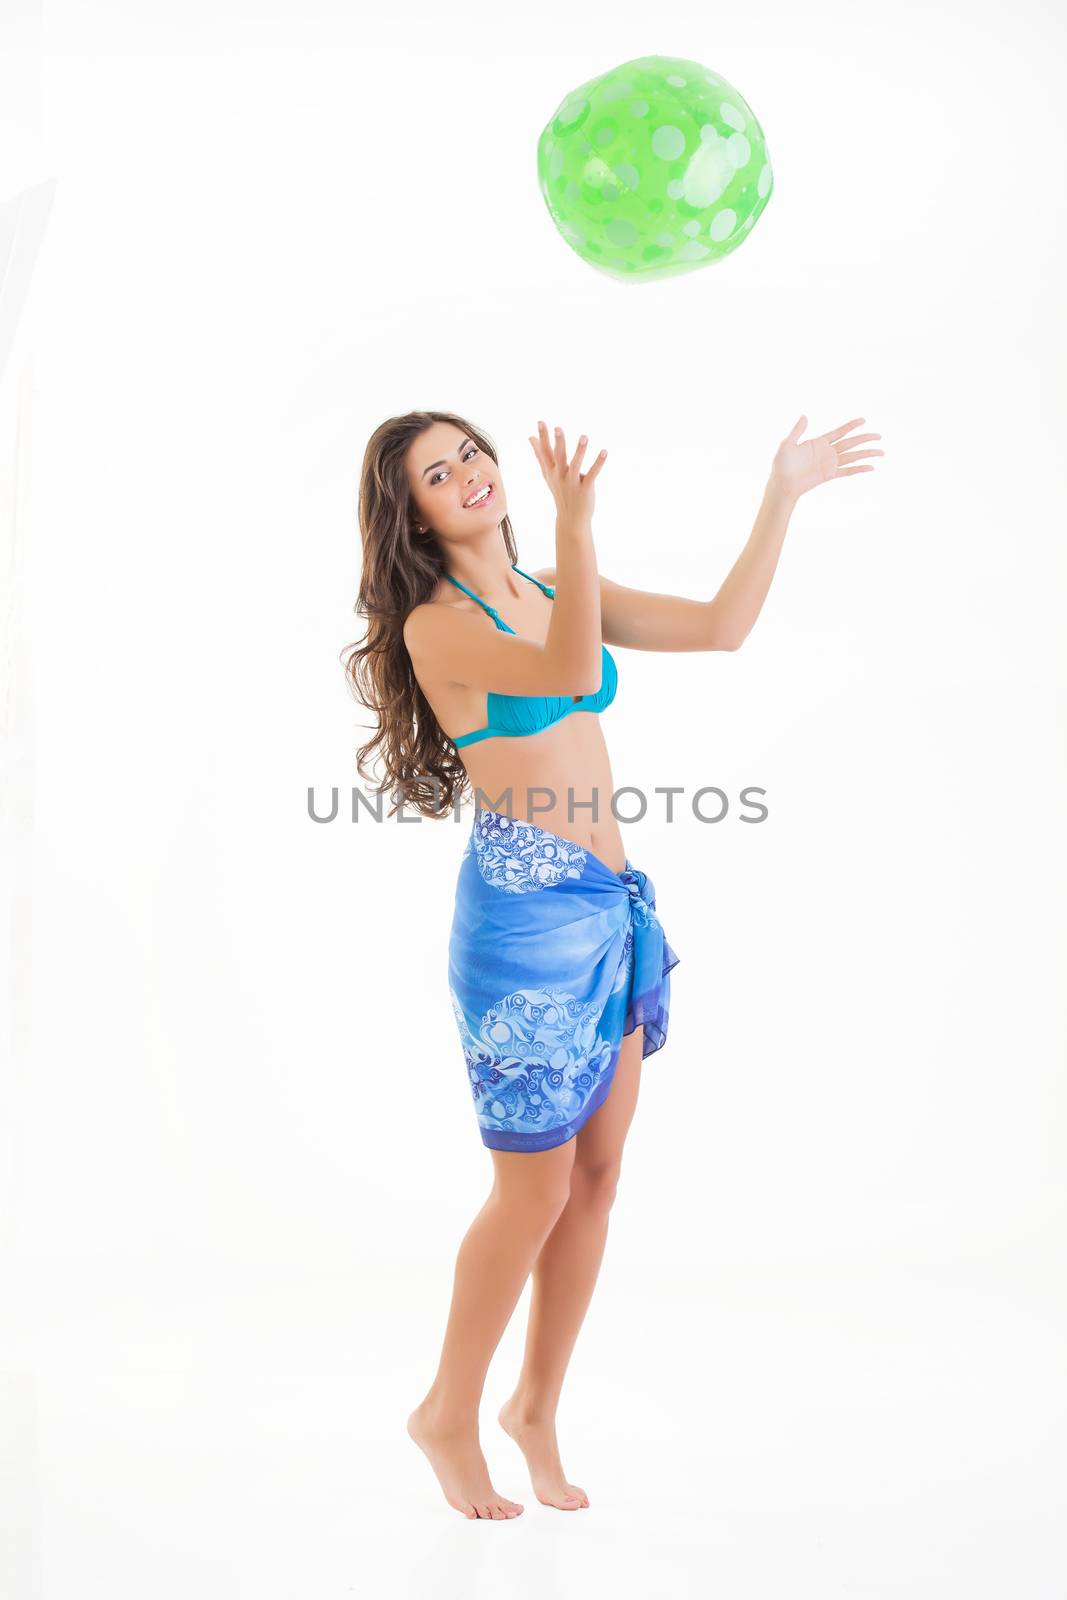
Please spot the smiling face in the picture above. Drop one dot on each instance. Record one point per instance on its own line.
(445, 467)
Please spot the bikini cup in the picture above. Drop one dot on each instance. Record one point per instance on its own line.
(515, 716)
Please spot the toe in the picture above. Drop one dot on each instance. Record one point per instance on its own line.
(564, 1502)
(485, 1510)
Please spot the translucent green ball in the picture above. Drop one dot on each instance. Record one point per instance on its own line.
(654, 168)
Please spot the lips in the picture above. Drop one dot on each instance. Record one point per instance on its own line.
(485, 501)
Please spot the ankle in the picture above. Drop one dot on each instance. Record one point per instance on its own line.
(528, 1410)
(446, 1415)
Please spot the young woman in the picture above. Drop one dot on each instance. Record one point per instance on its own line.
(485, 675)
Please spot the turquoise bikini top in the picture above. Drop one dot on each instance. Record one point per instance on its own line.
(514, 715)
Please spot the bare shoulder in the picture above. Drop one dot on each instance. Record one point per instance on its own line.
(413, 625)
(418, 623)
(421, 623)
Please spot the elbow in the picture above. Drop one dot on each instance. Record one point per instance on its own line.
(731, 643)
(573, 682)
(721, 631)
(589, 683)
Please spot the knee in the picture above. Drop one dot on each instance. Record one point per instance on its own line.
(538, 1203)
(551, 1201)
(595, 1183)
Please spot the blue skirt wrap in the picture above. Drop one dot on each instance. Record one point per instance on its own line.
(553, 958)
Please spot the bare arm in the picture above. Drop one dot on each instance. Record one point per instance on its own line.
(482, 656)
(638, 619)
(574, 628)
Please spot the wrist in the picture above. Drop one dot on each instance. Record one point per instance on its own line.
(779, 495)
(573, 525)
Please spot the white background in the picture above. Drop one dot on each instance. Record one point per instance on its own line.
(826, 1354)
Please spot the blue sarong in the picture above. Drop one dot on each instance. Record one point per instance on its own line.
(552, 959)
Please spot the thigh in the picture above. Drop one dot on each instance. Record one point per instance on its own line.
(601, 1138)
(533, 1177)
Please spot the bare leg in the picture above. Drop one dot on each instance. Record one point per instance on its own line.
(529, 1191)
(564, 1277)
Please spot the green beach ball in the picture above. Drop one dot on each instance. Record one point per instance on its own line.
(654, 168)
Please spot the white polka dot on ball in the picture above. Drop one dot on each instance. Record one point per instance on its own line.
(668, 142)
(739, 150)
(620, 232)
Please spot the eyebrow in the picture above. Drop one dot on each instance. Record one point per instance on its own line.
(433, 464)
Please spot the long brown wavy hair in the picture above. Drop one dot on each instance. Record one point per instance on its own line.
(401, 569)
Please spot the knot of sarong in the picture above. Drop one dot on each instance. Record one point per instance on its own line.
(642, 903)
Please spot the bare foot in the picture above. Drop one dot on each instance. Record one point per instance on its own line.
(456, 1457)
(537, 1441)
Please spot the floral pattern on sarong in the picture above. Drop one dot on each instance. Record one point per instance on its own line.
(626, 963)
(537, 1059)
(520, 856)
(546, 986)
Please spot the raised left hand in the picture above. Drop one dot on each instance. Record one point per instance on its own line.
(799, 467)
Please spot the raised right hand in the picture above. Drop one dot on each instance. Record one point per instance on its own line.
(572, 489)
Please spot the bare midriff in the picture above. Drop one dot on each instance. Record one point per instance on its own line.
(559, 778)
